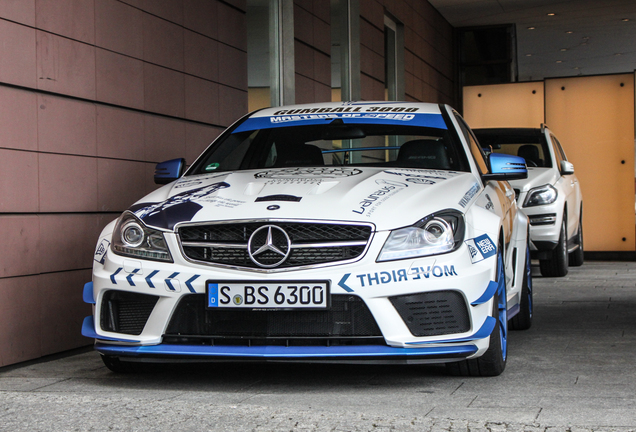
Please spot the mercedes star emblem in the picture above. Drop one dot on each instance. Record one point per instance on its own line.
(269, 246)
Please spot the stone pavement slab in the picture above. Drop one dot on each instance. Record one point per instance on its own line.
(573, 371)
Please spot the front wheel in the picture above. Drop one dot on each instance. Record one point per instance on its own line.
(557, 264)
(493, 362)
(576, 257)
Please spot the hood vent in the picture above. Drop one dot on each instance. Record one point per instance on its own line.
(288, 198)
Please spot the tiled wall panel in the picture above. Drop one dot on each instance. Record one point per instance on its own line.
(93, 93)
(312, 51)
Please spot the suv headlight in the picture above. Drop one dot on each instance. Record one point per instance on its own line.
(134, 239)
(541, 195)
(435, 234)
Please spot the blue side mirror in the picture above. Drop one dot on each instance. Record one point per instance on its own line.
(506, 167)
(168, 171)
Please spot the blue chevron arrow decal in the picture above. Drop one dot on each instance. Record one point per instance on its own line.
(172, 276)
(149, 277)
(112, 277)
(130, 276)
(189, 283)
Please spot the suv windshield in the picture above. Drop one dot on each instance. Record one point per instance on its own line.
(333, 144)
(529, 144)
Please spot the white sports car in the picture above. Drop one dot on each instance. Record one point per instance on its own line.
(332, 232)
(550, 196)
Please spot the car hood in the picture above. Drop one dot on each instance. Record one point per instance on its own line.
(388, 198)
(536, 177)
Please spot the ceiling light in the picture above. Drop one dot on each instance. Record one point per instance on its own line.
(531, 28)
(559, 61)
(564, 49)
(569, 32)
(528, 55)
(551, 14)
(625, 19)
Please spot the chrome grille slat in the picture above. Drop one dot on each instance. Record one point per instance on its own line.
(312, 243)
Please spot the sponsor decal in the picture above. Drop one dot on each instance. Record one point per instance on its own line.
(322, 172)
(403, 275)
(194, 182)
(354, 114)
(469, 195)
(294, 181)
(211, 167)
(347, 109)
(420, 181)
(489, 205)
(368, 205)
(418, 177)
(102, 250)
(480, 248)
(297, 118)
(179, 208)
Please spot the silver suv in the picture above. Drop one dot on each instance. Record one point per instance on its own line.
(550, 196)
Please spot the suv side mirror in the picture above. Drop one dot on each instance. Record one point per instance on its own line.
(567, 168)
(168, 171)
(506, 167)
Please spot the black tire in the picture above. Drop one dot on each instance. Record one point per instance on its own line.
(576, 257)
(118, 366)
(523, 320)
(557, 264)
(493, 362)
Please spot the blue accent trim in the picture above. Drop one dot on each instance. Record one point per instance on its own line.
(189, 283)
(485, 331)
(88, 330)
(87, 295)
(491, 289)
(342, 284)
(130, 276)
(169, 170)
(423, 119)
(172, 276)
(112, 277)
(281, 352)
(149, 277)
(501, 163)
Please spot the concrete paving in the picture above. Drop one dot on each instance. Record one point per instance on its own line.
(574, 370)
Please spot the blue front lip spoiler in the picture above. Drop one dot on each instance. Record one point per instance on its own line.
(294, 353)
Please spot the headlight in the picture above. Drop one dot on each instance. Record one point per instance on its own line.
(435, 234)
(134, 239)
(541, 195)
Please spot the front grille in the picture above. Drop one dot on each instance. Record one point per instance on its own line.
(125, 312)
(433, 313)
(346, 321)
(310, 243)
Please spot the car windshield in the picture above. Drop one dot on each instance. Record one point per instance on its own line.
(529, 145)
(334, 144)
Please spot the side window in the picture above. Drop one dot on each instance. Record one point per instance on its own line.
(475, 149)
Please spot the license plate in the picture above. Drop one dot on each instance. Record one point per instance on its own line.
(268, 295)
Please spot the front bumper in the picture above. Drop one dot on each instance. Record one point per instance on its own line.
(374, 283)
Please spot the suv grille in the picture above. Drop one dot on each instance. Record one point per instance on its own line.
(433, 313)
(309, 243)
(347, 321)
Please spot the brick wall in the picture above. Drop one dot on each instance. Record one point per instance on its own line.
(428, 58)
